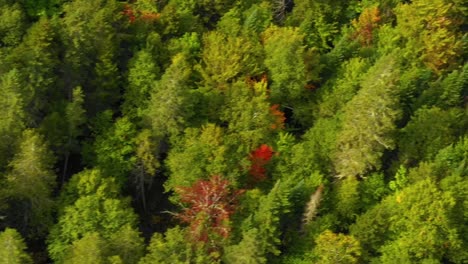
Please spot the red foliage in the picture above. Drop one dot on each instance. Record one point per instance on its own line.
(129, 13)
(279, 117)
(210, 205)
(139, 15)
(260, 158)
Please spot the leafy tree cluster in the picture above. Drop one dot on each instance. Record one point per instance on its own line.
(253, 131)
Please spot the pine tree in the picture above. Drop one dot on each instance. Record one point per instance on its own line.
(30, 182)
(369, 121)
(12, 248)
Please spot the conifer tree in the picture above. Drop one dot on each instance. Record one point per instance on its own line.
(30, 183)
(12, 248)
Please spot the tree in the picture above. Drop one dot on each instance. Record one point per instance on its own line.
(430, 29)
(30, 182)
(173, 247)
(251, 120)
(337, 248)
(13, 117)
(200, 153)
(115, 148)
(366, 24)
(89, 249)
(12, 24)
(169, 106)
(429, 130)
(75, 114)
(90, 42)
(368, 122)
(40, 8)
(106, 79)
(319, 21)
(143, 73)
(93, 205)
(267, 219)
(284, 51)
(210, 205)
(410, 226)
(336, 93)
(38, 60)
(226, 58)
(260, 158)
(12, 248)
(246, 252)
(347, 200)
(146, 164)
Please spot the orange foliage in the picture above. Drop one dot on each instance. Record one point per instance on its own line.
(279, 117)
(129, 13)
(365, 25)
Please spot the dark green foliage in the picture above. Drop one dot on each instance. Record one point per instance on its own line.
(430, 130)
(13, 115)
(339, 127)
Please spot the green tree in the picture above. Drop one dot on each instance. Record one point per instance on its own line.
(12, 248)
(284, 58)
(115, 148)
(30, 183)
(347, 200)
(410, 226)
(75, 115)
(246, 252)
(169, 106)
(225, 58)
(13, 116)
(319, 21)
(267, 219)
(39, 8)
(93, 205)
(368, 122)
(89, 249)
(173, 248)
(12, 24)
(337, 248)
(146, 166)
(200, 153)
(430, 130)
(38, 60)
(335, 94)
(249, 116)
(88, 32)
(142, 75)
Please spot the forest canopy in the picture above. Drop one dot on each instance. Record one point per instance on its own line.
(237, 132)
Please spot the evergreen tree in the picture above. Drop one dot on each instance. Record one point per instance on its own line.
(12, 248)
(30, 184)
(368, 122)
(13, 117)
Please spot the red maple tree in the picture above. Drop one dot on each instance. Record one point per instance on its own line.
(210, 203)
(259, 159)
